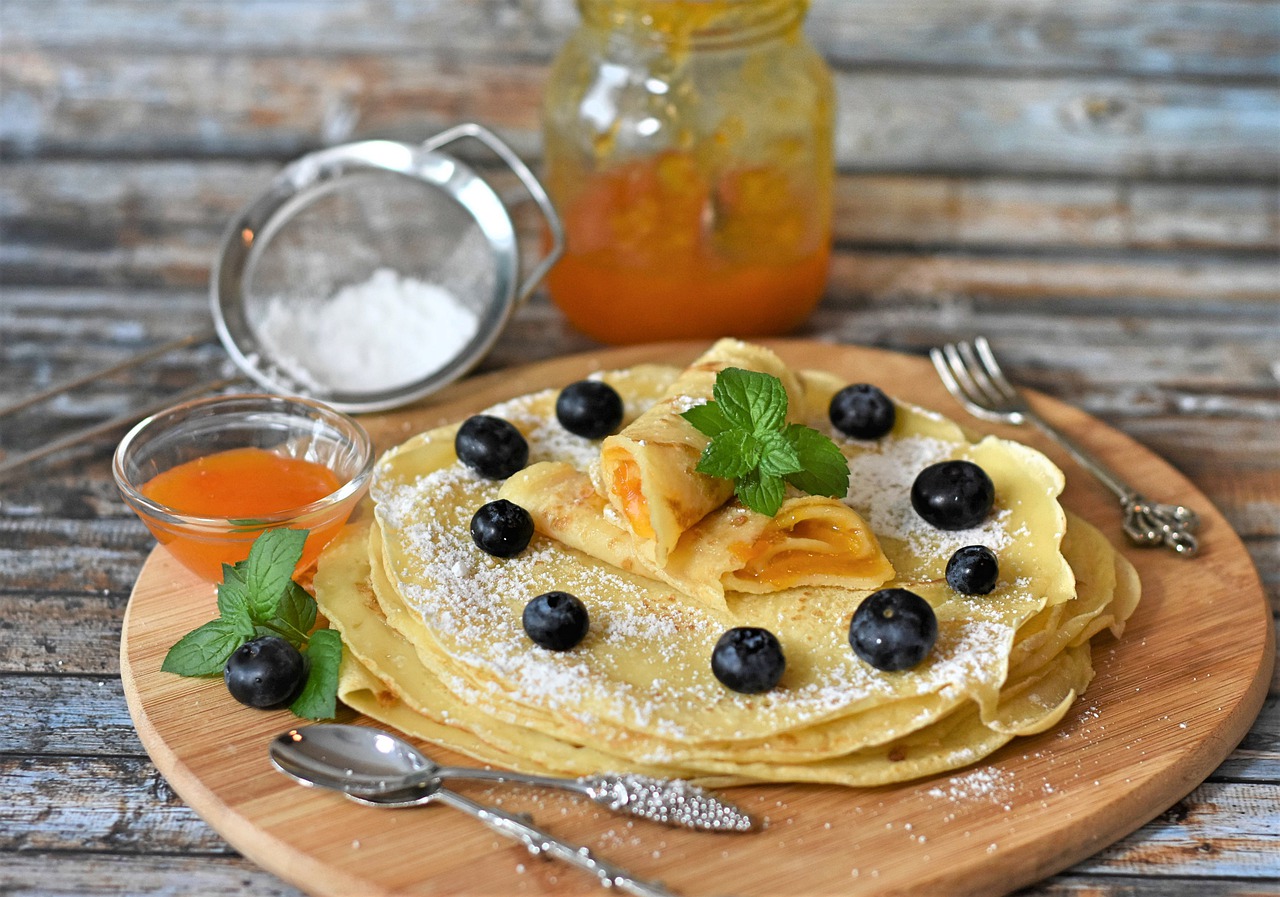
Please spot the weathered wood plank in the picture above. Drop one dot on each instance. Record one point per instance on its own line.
(71, 874)
(1075, 885)
(1205, 37)
(59, 633)
(33, 874)
(116, 805)
(1228, 827)
(998, 211)
(67, 715)
(97, 101)
(127, 206)
(892, 275)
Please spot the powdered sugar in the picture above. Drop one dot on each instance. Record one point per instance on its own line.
(880, 489)
(380, 334)
(471, 604)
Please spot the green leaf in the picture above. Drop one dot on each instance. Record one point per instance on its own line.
(203, 651)
(708, 419)
(730, 455)
(824, 470)
(233, 603)
(750, 399)
(269, 569)
(778, 456)
(761, 493)
(319, 697)
(295, 616)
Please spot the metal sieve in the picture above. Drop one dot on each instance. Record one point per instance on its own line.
(364, 217)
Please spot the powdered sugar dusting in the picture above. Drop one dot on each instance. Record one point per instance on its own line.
(644, 663)
(880, 489)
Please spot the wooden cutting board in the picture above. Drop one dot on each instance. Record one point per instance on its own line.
(1168, 704)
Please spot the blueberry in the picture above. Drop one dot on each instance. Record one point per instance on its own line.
(502, 528)
(265, 672)
(491, 446)
(556, 620)
(953, 494)
(973, 570)
(893, 629)
(589, 408)
(862, 411)
(748, 659)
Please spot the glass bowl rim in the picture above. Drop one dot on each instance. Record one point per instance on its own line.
(351, 430)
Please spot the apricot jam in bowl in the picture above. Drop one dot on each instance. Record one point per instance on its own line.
(208, 476)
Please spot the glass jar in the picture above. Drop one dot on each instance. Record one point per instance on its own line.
(688, 150)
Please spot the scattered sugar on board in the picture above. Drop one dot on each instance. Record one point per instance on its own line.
(385, 332)
(990, 784)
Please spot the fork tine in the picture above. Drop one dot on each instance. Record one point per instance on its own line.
(963, 372)
(946, 362)
(989, 394)
(998, 380)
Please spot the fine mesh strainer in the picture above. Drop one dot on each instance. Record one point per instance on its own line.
(371, 274)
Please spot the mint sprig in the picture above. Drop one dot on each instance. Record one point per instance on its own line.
(258, 597)
(753, 445)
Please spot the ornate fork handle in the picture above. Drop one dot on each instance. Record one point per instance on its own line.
(538, 841)
(1146, 523)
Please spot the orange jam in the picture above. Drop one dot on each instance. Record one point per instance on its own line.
(626, 485)
(832, 550)
(240, 484)
(658, 249)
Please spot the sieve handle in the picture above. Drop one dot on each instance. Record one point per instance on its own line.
(531, 184)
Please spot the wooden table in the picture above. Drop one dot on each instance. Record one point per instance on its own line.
(1091, 186)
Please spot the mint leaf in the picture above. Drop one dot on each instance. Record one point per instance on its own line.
(824, 470)
(319, 697)
(295, 615)
(752, 444)
(269, 569)
(777, 457)
(750, 399)
(233, 603)
(761, 492)
(203, 651)
(730, 455)
(708, 419)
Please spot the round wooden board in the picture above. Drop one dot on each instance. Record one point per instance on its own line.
(1168, 704)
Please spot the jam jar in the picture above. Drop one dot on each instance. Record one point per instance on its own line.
(688, 150)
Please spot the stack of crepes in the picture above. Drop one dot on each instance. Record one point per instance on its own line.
(666, 561)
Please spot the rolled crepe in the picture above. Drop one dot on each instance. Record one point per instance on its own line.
(647, 471)
(812, 541)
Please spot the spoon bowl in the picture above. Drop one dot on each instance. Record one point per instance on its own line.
(351, 759)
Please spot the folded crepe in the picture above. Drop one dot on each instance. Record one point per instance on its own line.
(647, 471)
(811, 541)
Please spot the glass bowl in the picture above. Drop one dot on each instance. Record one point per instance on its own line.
(208, 476)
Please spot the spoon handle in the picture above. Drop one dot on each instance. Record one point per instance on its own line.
(539, 841)
(670, 801)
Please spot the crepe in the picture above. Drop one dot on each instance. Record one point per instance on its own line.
(435, 645)
(811, 541)
(647, 471)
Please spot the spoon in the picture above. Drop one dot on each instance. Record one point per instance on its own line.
(536, 840)
(371, 764)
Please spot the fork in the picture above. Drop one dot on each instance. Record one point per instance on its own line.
(971, 374)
